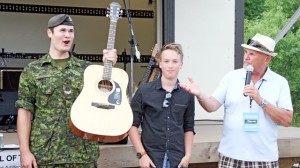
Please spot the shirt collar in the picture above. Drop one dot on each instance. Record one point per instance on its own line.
(158, 85)
(47, 60)
(266, 76)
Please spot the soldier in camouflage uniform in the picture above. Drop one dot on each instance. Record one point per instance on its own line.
(47, 89)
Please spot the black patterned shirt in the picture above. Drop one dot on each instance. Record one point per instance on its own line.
(163, 126)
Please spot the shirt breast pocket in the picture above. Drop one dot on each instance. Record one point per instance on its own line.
(178, 112)
(46, 86)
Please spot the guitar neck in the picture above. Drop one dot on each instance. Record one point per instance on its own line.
(111, 35)
(110, 46)
(148, 71)
(151, 65)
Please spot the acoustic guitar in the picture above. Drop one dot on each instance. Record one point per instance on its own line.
(152, 71)
(102, 112)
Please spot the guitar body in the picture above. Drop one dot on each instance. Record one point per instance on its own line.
(155, 73)
(102, 112)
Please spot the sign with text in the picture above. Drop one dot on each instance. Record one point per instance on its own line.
(10, 158)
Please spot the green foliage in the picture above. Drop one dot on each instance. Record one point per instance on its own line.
(296, 120)
(288, 64)
(268, 17)
(254, 9)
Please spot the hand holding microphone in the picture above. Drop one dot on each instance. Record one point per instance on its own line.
(249, 71)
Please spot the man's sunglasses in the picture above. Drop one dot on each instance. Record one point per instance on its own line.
(258, 45)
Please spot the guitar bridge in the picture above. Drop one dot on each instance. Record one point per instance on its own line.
(104, 106)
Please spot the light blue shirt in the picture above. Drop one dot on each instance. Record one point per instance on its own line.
(260, 145)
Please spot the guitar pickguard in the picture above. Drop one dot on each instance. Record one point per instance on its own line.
(116, 96)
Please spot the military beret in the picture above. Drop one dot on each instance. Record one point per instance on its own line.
(61, 19)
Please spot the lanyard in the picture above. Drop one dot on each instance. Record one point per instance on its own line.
(257, 89)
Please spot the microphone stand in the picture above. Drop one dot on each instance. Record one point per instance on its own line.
(124, 58)
(133, 46)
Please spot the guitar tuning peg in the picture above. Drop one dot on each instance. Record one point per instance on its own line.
(120, 13)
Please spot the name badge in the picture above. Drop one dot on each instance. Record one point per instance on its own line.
(251, 123)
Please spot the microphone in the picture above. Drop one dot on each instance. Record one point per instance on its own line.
(137, 53)
(249, 71)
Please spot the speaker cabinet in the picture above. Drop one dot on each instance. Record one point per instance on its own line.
(9, 78)
(8, 111)
(9, 82)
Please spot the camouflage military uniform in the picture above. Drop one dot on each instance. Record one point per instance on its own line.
(48, 91)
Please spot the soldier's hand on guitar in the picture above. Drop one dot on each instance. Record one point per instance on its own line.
(110, 55)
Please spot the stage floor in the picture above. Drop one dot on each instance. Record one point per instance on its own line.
(207, 138)
(205, 146)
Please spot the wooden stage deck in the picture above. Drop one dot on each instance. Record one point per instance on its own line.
(205, 148)
(205, 154)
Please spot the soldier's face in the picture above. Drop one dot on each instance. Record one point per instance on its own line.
(62, 38)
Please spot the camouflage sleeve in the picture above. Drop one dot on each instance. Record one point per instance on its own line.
(26, 90)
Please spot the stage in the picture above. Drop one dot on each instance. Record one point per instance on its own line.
(208, 134)
(205, 154)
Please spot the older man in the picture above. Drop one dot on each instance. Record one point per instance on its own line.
(252, 111)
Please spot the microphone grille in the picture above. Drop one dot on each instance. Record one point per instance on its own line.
(250, 68)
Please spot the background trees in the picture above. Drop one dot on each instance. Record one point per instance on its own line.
(268, 17)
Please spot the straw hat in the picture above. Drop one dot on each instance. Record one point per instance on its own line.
(261, 43)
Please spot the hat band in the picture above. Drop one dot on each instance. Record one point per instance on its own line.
(258, 45)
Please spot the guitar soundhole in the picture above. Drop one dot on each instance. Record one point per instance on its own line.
(105, 86)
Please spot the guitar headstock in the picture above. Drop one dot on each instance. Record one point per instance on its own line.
(114, 11)
(155, 50)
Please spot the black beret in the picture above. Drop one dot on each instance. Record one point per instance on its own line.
(61, 19)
